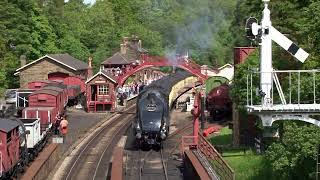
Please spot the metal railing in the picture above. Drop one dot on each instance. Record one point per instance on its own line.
(288, 86)
(1, 166)
(220, 166)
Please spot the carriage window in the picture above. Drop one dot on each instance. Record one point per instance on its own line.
(103, 89)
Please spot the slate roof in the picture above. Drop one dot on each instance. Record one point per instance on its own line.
(131, 56)
(64, 59)
(46, 91)
(141, 50)
(109, 75)
(70, 61)
(117, 58)
(54, 88)
(105, 74)
(7, 125)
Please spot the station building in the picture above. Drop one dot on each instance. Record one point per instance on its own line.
(50, 67)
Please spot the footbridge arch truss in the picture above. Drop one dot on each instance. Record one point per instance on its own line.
(157, 61)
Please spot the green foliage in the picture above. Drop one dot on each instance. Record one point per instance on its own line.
(39, 27)
(242, 80)
(223, 138)
(214, 82)
(294, 157)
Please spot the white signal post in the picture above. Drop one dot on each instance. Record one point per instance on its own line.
(266, 57)
(267, 34)
(269, 111)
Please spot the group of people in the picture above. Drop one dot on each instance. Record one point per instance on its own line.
(131, 89)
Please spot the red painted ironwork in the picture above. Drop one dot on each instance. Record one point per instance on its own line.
(220, 166)
(196, 111)
(210, 130)
(197, 141)
(157, 61)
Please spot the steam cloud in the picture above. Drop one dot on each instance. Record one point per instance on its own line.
(197, 33)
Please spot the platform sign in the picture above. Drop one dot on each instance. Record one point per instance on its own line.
(57, 140)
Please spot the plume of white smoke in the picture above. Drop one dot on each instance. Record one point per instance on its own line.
(198, 32)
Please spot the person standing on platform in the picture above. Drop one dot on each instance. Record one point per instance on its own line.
(64, 128)
(57, 125)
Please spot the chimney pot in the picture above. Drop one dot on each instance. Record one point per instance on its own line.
(23, 60)
(90, 62)
(123, 49)
(139, 44)
(125, 40)
(89, 71)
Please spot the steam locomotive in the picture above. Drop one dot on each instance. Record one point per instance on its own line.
(153, 110)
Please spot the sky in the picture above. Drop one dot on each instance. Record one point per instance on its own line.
(89, 1)
(85, 1)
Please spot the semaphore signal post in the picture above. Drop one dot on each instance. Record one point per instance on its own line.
(287, 109)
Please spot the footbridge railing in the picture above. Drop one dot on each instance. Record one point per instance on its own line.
(292, 95)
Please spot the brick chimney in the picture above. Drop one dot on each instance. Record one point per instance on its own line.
(23, 60)
(124, 45)
(139, 44)
(90, 72)
(123, 49)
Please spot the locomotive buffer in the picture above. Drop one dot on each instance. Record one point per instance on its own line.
(267, 110)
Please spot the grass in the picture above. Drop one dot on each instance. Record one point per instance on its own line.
(223, 138)
(214, 82)
(246, 165)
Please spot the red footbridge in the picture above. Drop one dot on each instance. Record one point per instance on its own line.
(158, 61)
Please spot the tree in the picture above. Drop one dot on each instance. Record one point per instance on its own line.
(294, 157)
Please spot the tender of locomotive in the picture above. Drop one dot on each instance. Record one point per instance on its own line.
(153, 110)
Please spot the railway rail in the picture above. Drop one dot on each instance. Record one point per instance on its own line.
(157, 163)
(93, 161)
(152, 165)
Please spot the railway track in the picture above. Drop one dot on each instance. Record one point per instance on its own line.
(159, 163)
(93, 159)
(152, 165)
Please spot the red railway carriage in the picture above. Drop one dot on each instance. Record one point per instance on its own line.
(40, 84)
(219, 101)
(46, 98)
(73, 92)
(63, 90)
(47, 115)
(75, 81)
(9, 146)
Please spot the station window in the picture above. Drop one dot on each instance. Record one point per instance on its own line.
(103, 89)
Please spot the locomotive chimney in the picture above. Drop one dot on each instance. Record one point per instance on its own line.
(23, 60)
(90, 72)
